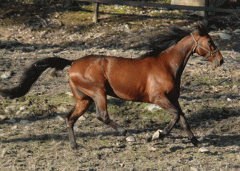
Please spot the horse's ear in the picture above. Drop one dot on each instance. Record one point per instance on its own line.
(202, 29)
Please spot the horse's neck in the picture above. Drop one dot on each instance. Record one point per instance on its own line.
(179, 55)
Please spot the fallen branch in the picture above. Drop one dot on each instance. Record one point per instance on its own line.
(223, 81)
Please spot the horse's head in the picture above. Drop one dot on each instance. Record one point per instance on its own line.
(204, 46)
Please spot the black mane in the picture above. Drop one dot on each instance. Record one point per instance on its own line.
(164, 41)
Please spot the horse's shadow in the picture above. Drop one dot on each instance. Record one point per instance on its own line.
(214, 139)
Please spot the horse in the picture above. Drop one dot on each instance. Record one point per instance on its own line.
(154, 77)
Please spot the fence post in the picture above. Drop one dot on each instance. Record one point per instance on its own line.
(95, 17)
(206, 12)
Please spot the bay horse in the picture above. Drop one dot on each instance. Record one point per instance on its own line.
(152, 78)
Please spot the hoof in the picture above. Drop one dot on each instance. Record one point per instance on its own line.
(130, 138)
(157, 135)
(203, 150)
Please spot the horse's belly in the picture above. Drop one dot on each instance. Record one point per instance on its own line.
(130, 93)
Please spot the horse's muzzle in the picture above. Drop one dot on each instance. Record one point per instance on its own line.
(218, 63)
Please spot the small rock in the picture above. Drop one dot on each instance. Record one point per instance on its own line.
(12, 121)
(82, 118)
(153, 107)
(210, 131)
(22, 108)
(194, 169)
(76, 128)
(152, 149)
(25, 112)
(57, 15)
(14, 127)
(18, 112)
(4, 151)
(122, 164)
(70, 94)
(131, 139)
(9, 109)
(199, 13)
(224, 36)
(7, 75)
(2, 117)
(237, 31)
(24, 121)
(229, 100)
(156, 135)
(28, 126)
(235, 88)
(60, 143)
(223, 97)
(203, 150)
(60, 118)
(62, 109)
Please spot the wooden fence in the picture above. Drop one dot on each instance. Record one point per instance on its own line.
(207, 8)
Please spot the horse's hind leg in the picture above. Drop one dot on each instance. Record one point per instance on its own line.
(83, 103)
(102, 115)
(72, 117)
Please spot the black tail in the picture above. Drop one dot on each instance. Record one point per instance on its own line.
(32, 73)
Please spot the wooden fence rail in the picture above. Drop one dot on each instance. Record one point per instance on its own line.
(158, 5)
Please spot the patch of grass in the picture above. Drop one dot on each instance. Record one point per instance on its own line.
(121, 9)
(77, 21)
(157, 114)
(113, 109)
(6, 103)
(143, 105)
(37, 105)
(231, 84)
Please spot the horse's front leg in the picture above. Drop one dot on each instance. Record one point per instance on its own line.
(184, 124)
(178, 117)
(160, 134)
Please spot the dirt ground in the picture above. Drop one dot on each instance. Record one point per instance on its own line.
(33, 133)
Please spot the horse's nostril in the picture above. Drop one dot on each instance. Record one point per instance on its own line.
(221, 62)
